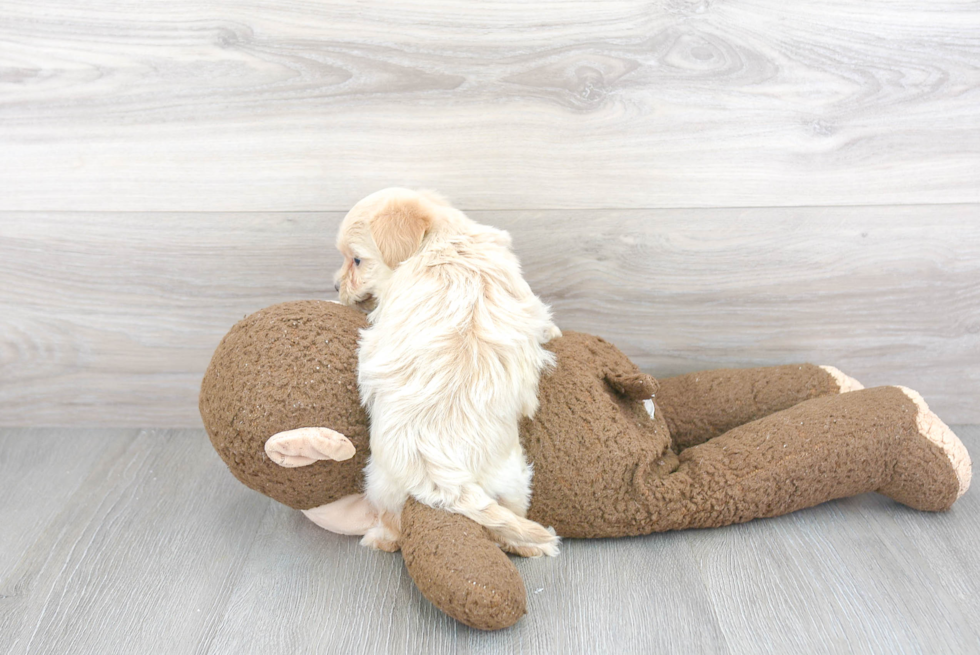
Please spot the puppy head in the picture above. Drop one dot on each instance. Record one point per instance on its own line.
(379, 233)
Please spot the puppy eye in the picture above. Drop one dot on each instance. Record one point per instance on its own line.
(357, 262)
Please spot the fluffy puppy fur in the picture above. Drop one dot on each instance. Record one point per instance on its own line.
(449, 364)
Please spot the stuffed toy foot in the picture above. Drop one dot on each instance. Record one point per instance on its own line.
(718, 447)
(934, 444)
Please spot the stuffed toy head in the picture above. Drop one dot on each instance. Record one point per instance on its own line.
(289, 366)
(615, 452)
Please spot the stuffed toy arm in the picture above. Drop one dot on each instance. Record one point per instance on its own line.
(700, 406)
(454, 561)
(460, 569)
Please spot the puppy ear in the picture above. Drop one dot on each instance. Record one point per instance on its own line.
(398, 229)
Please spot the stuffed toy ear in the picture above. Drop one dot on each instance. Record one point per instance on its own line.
(458, 567)
(303, 446)
(635, 386)
(398, 229)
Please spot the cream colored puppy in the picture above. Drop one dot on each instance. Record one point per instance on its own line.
(448, 366)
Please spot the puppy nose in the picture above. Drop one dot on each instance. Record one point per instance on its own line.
(336, 286)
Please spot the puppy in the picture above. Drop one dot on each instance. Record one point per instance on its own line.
(448, 365)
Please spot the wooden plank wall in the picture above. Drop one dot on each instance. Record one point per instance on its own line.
(705, 184)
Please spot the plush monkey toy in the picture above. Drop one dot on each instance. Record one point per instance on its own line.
(615, 451)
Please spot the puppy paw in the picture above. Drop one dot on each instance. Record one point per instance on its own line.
(380, 538)
(542, 542)
(551, 333)
(304, 446)
(523, 551)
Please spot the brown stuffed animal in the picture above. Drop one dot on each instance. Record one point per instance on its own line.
(711, 449)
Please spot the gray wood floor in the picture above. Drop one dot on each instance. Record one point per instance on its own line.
(139, 541)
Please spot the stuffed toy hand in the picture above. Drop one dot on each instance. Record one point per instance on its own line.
(615, 452)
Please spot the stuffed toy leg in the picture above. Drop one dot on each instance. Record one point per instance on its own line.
(748, 444)
(883, 439)
(699, 406)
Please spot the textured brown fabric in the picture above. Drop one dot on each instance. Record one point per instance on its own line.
(602, 466)
(822, 449)
(288, 366)
(457, 566)
(702, 405)
(588, 441)
(826, 448)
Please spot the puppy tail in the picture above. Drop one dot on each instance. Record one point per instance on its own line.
(515, 533)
